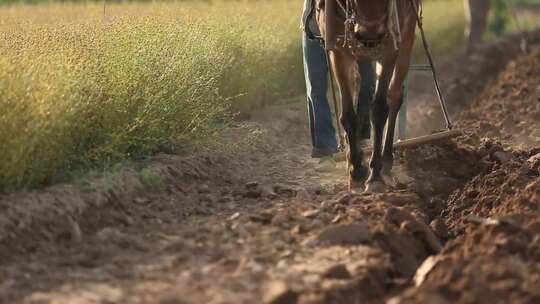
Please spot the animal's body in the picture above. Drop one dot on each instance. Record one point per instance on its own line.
(369, 29)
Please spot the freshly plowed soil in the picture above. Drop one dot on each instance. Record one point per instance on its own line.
(460, 224)
(494, 252)
(513, 110)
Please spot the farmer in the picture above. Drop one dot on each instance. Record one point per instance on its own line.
(323, 133)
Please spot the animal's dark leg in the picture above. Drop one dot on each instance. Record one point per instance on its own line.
(361, 123)
(357, 172)
(395, 97)
(379, 115)
(388, 155)
(342, 65)
(366, 70)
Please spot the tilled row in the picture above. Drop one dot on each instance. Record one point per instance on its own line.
(495, 257)
(492, 255)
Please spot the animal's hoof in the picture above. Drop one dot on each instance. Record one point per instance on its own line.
(374, 187)
(388, 179)
(355, 186)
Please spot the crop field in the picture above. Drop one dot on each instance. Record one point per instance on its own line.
(89, 85)
(79, 87)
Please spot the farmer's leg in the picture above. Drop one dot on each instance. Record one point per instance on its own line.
(367, 89)
(476, 12)
(323, 134)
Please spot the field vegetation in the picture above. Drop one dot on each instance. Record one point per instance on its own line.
(86, 85)
(79, 88)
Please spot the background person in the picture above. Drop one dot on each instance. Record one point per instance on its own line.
(476, 12)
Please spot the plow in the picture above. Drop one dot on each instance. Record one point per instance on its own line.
(402, 141)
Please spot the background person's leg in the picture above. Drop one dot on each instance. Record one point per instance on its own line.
(476, 12)
(323, 134)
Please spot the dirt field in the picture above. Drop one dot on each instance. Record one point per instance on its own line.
(462, 224)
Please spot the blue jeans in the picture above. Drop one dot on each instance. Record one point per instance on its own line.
(323, 133)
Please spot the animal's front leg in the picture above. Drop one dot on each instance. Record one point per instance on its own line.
(395, 96)
(368, 80)
(379, 115)
(344, 70)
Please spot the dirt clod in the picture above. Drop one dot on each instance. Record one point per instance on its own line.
(439, 227)
(280, 293)
(351, 234)
(310, 213)
(338, 271)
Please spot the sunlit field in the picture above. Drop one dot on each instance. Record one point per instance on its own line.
(79, 87)
(85, 85)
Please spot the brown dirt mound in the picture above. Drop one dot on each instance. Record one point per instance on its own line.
(508, 112)
(463, 80)
(504, 190)
(494, 219)
(60, 212)
(498, 261)
(440, 169)
(510, 109)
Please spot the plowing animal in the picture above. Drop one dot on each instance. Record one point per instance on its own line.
(381, 31)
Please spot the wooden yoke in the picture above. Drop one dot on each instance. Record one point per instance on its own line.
(330, 22)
